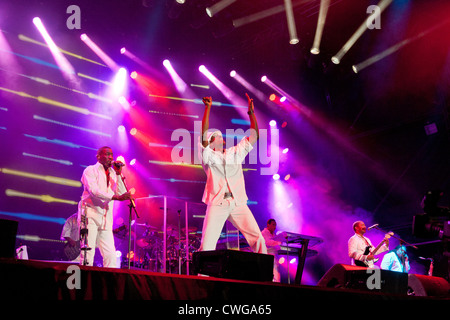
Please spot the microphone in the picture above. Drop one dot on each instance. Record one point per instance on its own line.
(371, 227)
(118, 164)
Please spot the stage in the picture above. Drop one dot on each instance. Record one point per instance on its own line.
(30, 280)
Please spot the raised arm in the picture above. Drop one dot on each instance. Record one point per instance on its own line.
(254, 130)
(205, 121)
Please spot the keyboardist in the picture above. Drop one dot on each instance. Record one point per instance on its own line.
(272, 246)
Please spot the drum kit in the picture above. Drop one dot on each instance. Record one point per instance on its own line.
(148, 253)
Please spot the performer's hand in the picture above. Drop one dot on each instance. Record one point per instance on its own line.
(370, 257)
(207, 101)
(251, 107)
(123, 197)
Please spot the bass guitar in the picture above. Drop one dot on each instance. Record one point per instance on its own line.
(370, 263)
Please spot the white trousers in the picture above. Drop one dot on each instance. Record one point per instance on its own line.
(104, 241)
(240, 216)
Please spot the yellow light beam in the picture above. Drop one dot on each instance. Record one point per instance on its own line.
(43, 197)
(55, 103)
(27, 39)
(49, 179)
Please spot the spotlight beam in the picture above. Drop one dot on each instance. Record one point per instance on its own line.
(336, 59)
(228, 93)
(293, 38)
(99, 52)
(324, 5)
(368, 62)
(217, 7)
(61, 61)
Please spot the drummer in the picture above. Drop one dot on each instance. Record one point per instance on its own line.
(272, 246)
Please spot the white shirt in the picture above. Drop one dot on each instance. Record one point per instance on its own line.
(71, 228)
(392, 262)
(224, 172)
(97, 195)
(357, 245)
(272, 245)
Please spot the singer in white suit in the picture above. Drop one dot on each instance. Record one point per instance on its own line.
(102, 185)
(224, 191)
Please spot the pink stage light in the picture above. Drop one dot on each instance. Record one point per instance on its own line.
(61, 61)
(228, 93)
(99, 52)
(181, 86)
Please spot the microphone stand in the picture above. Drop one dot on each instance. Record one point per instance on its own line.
(132, 206)
(399, 239)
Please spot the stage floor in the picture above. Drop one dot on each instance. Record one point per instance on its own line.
(40, 280)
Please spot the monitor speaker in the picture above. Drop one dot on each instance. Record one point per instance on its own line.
(360, 278)
(8, 232)
(428, 286)
(232, 264)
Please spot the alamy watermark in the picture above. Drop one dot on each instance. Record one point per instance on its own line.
(74, 20)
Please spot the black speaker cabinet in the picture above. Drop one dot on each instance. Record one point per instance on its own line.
(359, 278)
(427, 286)
(232, 264)
(8, 232)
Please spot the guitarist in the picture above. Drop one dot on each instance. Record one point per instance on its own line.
(360, 247)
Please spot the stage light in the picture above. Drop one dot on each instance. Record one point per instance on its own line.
(287, 177)
(273, 97)
(99, 52)
(124, 103)
(291, 22)
(121, 128)
(337, 58)
(179, 83)
(324, 4)
(272, 123)
(293, 260)
(227, 92)
(133, 162)
(255, 92)
(119, 82)
(281, 260)
(61, 61)
(284, 124)
(133, 131)
(263, 78)
(276, 176)
(217, 7)
(283, 99)
(123, 50)
(285, 150)
(133, 75)
(366, 63)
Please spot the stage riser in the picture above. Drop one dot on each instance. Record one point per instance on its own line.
(37, 280)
